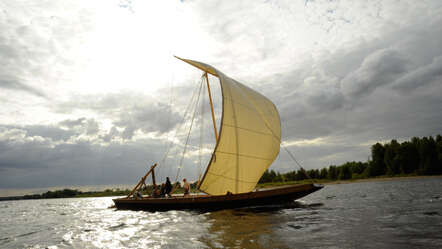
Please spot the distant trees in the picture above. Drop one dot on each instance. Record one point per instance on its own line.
(377, 166)
(70, 193)
(420, 156)
(332, 173)
(344, 172)
(271, 176)
(408, 157)
(65, 193)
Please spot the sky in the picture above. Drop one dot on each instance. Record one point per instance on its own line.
(91, 93)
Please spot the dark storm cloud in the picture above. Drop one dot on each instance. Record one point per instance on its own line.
(422, 76)
(48, 131)
(35, 161)
(77, 163)
(20, 153)
(378, 69)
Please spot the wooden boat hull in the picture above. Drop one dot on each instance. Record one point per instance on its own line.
(208, 203)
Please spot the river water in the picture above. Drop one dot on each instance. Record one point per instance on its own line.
(404, 213)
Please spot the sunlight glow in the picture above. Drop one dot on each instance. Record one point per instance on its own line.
(134, 49)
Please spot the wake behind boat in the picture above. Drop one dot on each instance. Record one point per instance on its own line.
(248, 142)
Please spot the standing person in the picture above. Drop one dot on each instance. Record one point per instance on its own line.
(186, 187)
(168, 187)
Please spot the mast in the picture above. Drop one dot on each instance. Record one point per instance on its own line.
(206, 69)
(211, 106)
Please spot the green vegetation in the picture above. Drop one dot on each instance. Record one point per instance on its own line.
(420, 156)
(107, 192)
(70, 193)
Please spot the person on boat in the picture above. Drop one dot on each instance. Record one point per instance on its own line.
(168, 187)
(163, 190)
(186, 187)
(156, 192)
(138, 195)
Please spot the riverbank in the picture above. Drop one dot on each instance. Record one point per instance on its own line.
(330, 182)
(381, 179)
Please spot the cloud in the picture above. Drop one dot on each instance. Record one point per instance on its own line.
(378, 69)
(73, 123)
(44, 131)
(427, 74)
(32, 43)
(126, 110)
(29, 162)
(113, 133)
(157, 117)
(15, 84)
(81, 125)
(48, 131)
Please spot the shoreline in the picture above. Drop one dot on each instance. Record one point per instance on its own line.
(380, 179)
(349, 181)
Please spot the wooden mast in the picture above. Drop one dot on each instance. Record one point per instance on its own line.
(140, 183)
(211, 106)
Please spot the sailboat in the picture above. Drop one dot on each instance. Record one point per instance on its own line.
(248, 142)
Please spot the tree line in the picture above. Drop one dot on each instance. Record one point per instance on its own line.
(419, 156)
(69, 193)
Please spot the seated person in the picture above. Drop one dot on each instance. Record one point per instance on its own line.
(138, 195)
(163, 190)
(156, 192)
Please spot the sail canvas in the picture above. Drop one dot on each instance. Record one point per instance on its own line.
(249, 138)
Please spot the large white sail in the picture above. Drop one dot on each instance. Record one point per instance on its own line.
(249, 138)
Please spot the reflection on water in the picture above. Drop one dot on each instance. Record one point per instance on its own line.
(399, 214)
(247, 229)
(254, 227)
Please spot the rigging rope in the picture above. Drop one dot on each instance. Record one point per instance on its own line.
(201, 134)
(181, 124)
(188, 134)
(294, 159)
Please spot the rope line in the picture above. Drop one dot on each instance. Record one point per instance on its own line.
(188, 134)
(203, 104)
(179, 128)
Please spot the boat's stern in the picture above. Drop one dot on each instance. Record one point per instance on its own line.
(317, 186)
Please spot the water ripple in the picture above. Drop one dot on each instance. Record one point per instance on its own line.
(359, 215)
